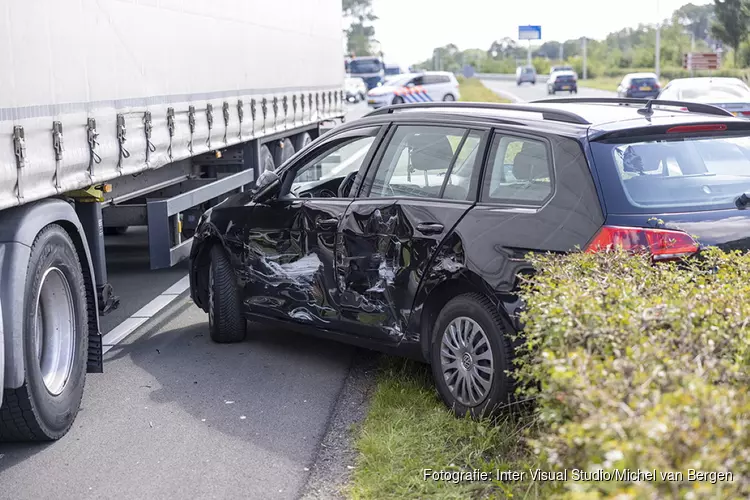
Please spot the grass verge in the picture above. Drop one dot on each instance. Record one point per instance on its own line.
(408, 431)
(472, 90)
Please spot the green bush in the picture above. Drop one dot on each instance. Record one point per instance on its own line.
(640, 366)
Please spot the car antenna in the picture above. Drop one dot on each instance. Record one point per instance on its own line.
(648, 110)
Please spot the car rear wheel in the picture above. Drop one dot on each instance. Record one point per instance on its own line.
(471, 355)
(449, 98)
(55, 343)
(226, 321)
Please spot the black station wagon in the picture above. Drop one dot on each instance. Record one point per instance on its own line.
(406, 231)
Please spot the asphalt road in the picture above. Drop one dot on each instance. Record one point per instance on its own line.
(527, 92)
(177, 416)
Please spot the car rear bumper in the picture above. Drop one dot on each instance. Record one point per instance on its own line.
(565, 87)
(643, 94)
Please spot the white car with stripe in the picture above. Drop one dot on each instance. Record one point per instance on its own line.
(428, 86)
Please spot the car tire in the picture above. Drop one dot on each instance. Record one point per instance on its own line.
(55, 355)
(449, 98)
(398, 100)
(266, 159)
(282, 151)
(489, 347)
(226, 321)
(301, 141)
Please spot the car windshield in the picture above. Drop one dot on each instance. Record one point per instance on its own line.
(675, 175)
(528, 70)
(365, 66)
(392, 71)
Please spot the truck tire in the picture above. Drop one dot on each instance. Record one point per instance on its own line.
(301, 140)
(55, 343)
(470, 342)
(226, 321)
(266, 159)
(283, 151)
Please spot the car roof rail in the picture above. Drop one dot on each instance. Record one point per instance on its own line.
(692, 107)
(548, 114)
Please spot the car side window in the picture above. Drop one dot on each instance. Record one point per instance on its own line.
(519, 171)
(428, 162)
(418, 80)
(337, 161)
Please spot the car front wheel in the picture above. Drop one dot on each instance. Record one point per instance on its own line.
(471, 355)
(226, 322)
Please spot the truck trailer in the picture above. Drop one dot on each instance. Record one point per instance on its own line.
(116, 113)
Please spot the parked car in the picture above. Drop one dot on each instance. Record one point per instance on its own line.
(639, 85)
(356, 89)
(566, 81)
(407, 230)
(525, 74)
(731, 94)
(415, 87)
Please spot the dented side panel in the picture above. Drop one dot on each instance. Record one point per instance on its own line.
(382, 257)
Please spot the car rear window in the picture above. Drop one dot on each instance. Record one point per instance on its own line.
(676, 175)
(643, 81)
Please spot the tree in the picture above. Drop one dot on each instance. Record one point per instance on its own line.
(696, 18)
(360, 32)
(731, 23)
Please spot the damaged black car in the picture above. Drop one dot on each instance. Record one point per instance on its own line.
(406, 231)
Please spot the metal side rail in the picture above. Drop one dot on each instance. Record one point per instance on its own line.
(165, 243)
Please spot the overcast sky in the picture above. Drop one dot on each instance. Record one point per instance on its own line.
(409, 29)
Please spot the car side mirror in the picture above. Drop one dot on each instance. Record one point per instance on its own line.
(267, 186)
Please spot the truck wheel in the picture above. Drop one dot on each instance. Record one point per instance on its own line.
(266, 159)
(301, 141)
(470, 357)
(226, 322)
(283, 151)
(55, 343)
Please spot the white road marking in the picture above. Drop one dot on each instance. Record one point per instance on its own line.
(124, 329)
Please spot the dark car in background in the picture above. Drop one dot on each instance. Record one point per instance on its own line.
(562, 81)
(731, 94)
(407, 230)
(639, 85)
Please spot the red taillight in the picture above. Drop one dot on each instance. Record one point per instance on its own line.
(684, 129)
(662, 244)
(746, 113)
(633, 87)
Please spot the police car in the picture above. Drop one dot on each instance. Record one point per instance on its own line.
(415, 87)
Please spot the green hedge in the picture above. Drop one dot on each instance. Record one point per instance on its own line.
(640, 366)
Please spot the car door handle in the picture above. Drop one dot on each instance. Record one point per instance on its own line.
(327, 223)
(430, 228)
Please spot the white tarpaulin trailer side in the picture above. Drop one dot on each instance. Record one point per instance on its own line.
(95, 89)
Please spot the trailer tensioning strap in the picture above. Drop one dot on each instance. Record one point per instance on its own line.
(92, 135)
(121, 139)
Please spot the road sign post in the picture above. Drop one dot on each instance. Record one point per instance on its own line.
(529, 33)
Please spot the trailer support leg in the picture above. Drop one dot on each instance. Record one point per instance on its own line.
(90, 215)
